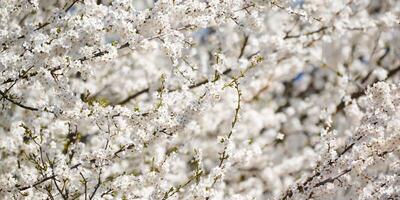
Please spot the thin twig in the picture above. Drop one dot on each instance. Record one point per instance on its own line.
(96, 187)
(17, 103)
(36, 184)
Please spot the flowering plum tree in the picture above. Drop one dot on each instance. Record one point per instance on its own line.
(199, 99)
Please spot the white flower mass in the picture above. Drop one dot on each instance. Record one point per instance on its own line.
(199, 99)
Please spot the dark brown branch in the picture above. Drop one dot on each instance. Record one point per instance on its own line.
(123, 148)
(246, 39)
(96, 187)
(58, 187)
(305, 34)
(85, 183)
(331, 179)
(70, 6)
(17, 103)
(36, 184)
(380, 59)
(133, 96)
(41, 26)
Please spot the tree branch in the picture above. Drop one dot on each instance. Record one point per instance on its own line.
(17, 103)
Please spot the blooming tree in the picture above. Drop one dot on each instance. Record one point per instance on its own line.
(200, 99)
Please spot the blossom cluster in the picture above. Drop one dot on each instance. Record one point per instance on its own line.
(199, 99)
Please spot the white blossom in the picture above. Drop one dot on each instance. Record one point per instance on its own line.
(188, 99)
